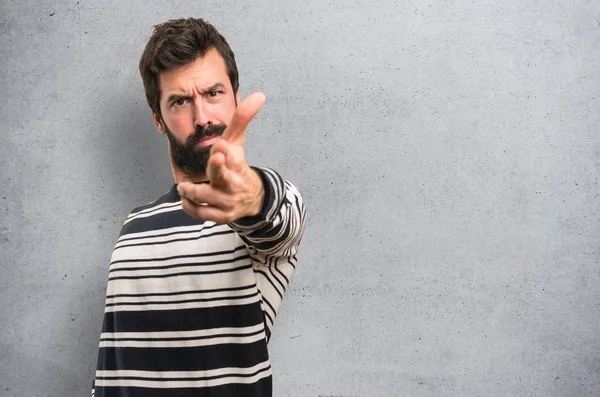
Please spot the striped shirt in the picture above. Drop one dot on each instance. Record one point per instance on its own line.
(190, 305)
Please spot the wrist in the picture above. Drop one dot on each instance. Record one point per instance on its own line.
(267, 193)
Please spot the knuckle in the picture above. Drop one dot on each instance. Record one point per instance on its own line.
(191, 194)
(230, 203)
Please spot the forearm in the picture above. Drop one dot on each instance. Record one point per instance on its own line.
(279, 226)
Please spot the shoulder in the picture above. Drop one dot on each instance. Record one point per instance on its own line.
(162, 213)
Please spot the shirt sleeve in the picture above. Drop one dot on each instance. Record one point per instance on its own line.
(273, 237)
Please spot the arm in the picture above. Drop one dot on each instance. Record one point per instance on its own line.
(278, 228)
(266, 211)
(273, 237)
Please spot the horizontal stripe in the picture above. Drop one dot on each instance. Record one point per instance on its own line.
(168, 232)
(182, 283)
(170, 196)
(179, 294)
(196, 358)
(136, 257)
(153, 208)
(181, 237)
(176, 379)
(161, 209)
(183, 320)
(167, 335)
(221, 243)
(161, 221)
(193, 304)
(178, 263)
(230, 339)
(261, 388)
(136, 275)
(180, 299)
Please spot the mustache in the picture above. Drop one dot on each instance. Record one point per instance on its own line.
(203, 132)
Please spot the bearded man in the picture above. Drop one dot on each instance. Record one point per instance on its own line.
(197, 277)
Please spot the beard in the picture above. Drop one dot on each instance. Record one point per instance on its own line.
(185, 155)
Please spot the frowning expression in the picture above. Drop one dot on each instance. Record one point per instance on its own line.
(197, 102)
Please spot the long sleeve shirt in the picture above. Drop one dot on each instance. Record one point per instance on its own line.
(190, 304)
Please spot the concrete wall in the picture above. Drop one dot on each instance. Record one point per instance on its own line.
(448, 152)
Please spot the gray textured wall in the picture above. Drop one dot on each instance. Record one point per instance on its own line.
(448, 152)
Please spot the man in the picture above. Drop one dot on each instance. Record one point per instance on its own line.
(197, 277)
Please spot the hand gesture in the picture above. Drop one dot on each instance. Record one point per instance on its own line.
(235, 190)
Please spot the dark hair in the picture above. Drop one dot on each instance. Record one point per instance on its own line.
(179, 42)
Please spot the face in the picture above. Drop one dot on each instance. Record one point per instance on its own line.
(197, 101)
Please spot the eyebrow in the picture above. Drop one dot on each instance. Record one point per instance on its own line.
(214, 87)
(177, 97)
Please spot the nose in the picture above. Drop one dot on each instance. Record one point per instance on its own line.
(202, 116)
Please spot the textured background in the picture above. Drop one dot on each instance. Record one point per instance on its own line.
(448, 152)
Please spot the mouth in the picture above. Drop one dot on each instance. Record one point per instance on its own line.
(208, 141)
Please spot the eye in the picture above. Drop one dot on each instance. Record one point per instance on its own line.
(214, 94)
(179, 103)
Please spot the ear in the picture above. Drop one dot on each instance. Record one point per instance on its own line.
(158, 122)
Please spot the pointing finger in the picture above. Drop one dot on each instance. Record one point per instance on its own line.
(217, 171)
(245, 112)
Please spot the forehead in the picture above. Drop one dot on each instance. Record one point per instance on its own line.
(201, 73)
